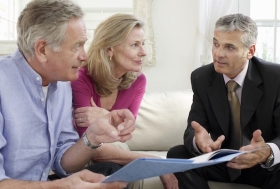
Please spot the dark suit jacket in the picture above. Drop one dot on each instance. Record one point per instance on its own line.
(260, 106)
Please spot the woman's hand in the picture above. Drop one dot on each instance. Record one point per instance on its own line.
(85, 116)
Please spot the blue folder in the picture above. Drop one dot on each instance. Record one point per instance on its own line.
(143, 168)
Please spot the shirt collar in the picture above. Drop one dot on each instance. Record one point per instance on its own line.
(240, 77)
(27, 69)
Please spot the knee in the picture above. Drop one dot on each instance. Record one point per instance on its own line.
(177, 152)
(274, 181)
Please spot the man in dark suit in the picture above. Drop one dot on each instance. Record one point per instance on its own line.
(259, 95)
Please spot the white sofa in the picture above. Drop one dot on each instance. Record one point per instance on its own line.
(160, 125)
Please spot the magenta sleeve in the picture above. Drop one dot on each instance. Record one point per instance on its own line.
(140, 87)
(82, 92)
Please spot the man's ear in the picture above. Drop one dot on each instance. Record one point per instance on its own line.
(40, 50)
(251, 51)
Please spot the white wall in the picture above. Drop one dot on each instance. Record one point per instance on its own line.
(175, 24)
(175, 29)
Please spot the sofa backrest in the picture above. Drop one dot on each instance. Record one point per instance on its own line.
(161, 121)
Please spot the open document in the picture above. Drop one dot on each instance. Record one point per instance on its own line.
(143, 168)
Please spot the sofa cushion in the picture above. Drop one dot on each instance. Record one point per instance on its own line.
(161, 154)
(161, 121)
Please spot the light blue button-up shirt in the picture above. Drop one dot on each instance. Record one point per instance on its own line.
(34, 131)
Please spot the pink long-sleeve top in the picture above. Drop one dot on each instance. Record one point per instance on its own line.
(83, 90)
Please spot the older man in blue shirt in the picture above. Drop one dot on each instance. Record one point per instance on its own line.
(36, 130)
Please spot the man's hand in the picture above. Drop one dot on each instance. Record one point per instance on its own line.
(203, 140)
(249, 160)
(88, 180)
(81, 180)
(114, 126)
(85, 116)
(169, 181)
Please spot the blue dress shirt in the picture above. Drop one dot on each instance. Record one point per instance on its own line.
(34, 131)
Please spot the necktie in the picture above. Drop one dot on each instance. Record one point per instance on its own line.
(235, 131)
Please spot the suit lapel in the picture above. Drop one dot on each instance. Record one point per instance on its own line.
(218, 98)
(251, 94)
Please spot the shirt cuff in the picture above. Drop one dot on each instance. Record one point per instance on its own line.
(195, 146)
(276, 153)
(57, 168)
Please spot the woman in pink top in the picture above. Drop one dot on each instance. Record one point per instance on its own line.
(84, 90)
(111, 79)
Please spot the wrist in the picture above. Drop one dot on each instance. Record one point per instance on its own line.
(270, 159)
(91, 135)
(88, 143)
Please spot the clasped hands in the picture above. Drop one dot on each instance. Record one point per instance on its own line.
(105, 126)
(205, 144)
(85, 116)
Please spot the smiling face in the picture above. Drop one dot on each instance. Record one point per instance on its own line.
(128, 55)
(64, 65)
(229, 53)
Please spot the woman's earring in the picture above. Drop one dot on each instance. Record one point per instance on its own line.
(110, 58)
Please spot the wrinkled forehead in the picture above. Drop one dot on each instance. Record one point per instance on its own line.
(234, 38)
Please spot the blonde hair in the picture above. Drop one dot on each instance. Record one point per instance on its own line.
(109, 33)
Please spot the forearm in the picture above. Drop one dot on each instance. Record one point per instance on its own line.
(101, 131)
(111, 153)
(20, 184)
(76, 157)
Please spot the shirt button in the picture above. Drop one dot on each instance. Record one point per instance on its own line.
(37, 78)
(42, 99)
